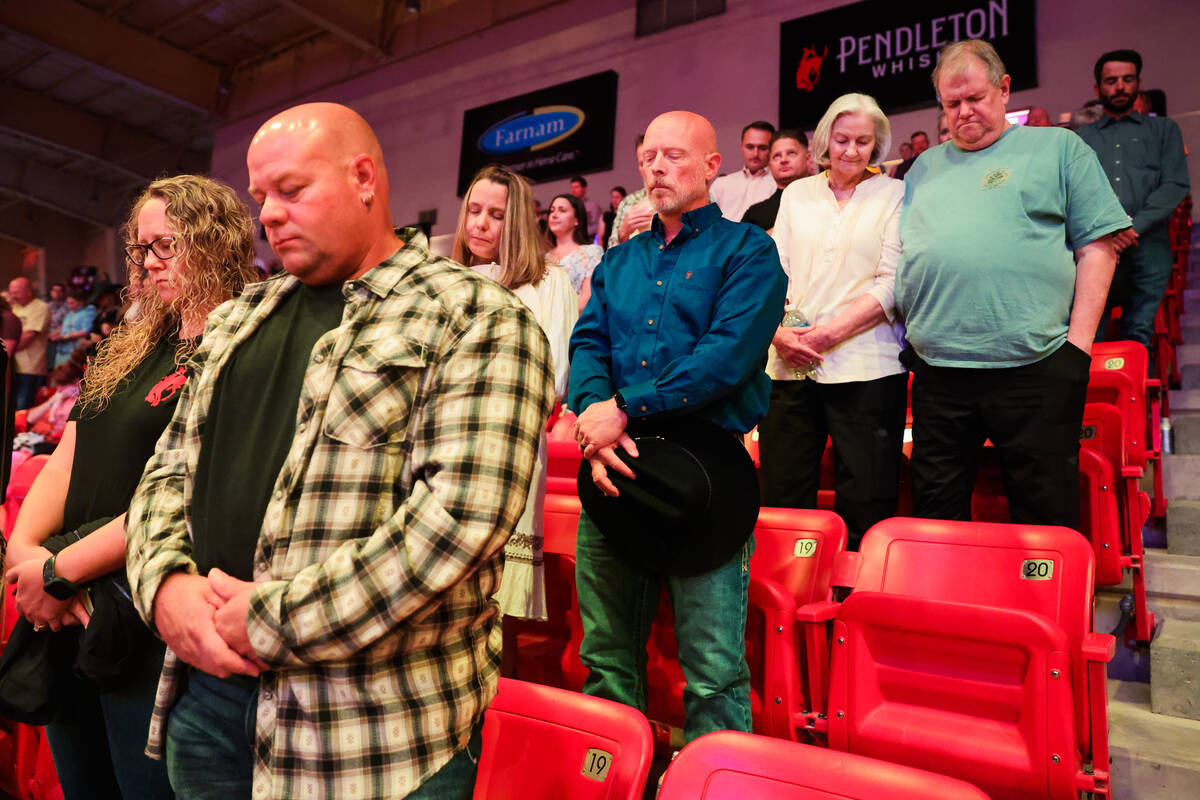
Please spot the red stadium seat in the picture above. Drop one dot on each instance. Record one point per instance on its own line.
(733, 766)
(562, 456)
(541, 742)
(967, 649)
(18, 486)
(792, 566)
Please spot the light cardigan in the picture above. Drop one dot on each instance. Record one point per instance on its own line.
(833, 255)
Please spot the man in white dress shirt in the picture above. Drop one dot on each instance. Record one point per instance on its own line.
(737, 191)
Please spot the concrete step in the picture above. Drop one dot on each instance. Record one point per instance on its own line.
(1185, 429)
(1181, 475)
(1183, 527)
(1185, 400)
(1175, 670)
(1189, 375)
(1154, 756)
(1187, 354)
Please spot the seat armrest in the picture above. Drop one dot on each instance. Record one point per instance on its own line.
(820, 611)
(1099, 647)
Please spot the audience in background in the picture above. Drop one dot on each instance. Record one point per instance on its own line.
(498, 237)
(1145, 162)
(834, 364)
(737, 191)
(40, 428)
(579, 190)
(76, 327)
(1038, 118)
(58, 309)
(572, 249)
(635, 212)
(615, 197)
(789, 162)
(30, 365)
(919, 143)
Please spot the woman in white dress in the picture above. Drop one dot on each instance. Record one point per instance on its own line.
(573, 250)
(834, 363)
(498, 236)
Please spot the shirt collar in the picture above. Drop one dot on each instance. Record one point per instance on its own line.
(1132, 116)
(382, 279)
(766, 170)
(693, 221)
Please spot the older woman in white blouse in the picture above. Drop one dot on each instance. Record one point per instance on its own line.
(840, 375)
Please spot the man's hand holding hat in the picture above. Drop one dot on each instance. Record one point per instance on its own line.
(599, 430)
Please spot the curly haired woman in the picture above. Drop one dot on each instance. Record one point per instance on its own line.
(189, 248)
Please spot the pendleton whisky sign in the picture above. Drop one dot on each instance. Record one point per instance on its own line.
(888, 50)
(552, 133)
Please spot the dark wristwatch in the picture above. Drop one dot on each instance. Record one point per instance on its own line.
(54, 584)
(620, 398)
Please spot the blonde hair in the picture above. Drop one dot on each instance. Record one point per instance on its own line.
(852, 103)
(522, 252)
(215, 236)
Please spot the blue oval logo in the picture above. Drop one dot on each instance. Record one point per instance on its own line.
(534, 131)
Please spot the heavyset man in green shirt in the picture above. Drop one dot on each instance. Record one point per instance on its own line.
(1007, 261)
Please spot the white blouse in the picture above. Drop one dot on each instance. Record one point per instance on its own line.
(556, 308)
(834, 254)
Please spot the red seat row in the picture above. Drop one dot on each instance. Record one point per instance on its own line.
(963, 648)
(542, 743)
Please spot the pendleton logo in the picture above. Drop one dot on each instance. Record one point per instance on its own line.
(532, 131)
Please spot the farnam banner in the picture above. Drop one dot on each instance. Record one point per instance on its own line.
(552, 133)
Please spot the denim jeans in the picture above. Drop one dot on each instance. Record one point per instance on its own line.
(98, 740)
(1138, 286)
(617, 605)
(26, 387)
(210, 745)
(210, 738)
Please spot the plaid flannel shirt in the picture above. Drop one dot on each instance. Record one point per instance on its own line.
(416, 434)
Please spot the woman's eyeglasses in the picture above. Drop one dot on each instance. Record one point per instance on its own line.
(165, 247)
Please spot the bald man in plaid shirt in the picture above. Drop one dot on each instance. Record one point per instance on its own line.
(320, 532)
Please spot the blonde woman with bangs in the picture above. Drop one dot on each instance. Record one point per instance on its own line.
(498, 236)
(189, 248)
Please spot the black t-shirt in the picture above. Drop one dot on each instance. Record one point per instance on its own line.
(763, 214)
(113, 446)
(250, 425)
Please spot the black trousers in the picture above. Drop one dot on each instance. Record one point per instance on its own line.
(1032, 414)
(865, 419)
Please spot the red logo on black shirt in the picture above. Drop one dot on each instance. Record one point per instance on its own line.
(168, 387)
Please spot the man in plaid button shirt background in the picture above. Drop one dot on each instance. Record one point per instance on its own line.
(319, 534)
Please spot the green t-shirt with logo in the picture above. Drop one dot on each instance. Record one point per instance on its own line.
(988, 272)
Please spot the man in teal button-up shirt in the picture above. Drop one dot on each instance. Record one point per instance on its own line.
(1145, 163)
(679, 323)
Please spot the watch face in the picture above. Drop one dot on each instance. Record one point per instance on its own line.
(57, 587)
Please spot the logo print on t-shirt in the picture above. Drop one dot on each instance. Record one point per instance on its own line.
(995, 178)
(168, 387)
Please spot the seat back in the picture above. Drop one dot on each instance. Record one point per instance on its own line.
(795, 548)
(542, 742)
(1118, 377)
(18, 486)
(1033, 580)
(562, 457)
(728, 765)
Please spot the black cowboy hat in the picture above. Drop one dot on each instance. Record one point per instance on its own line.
(692, 503)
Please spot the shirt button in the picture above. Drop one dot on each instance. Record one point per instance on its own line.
(1118, 179)
(1116, 162)
(651, 322)
(660, 283)
(643, 408)
(319, 357)
(279, 494)
(660, 247)
(685, 399)
(643, 363)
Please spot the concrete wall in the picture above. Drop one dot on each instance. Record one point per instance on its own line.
(725, 68)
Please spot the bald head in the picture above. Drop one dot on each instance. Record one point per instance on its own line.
(679, 159)
(20, 291)
(317, 171)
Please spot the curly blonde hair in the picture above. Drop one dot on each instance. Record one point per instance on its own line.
(216, 235)
(522, 253)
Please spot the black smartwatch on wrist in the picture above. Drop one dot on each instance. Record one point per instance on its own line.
(54, 584)
(620, 400)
